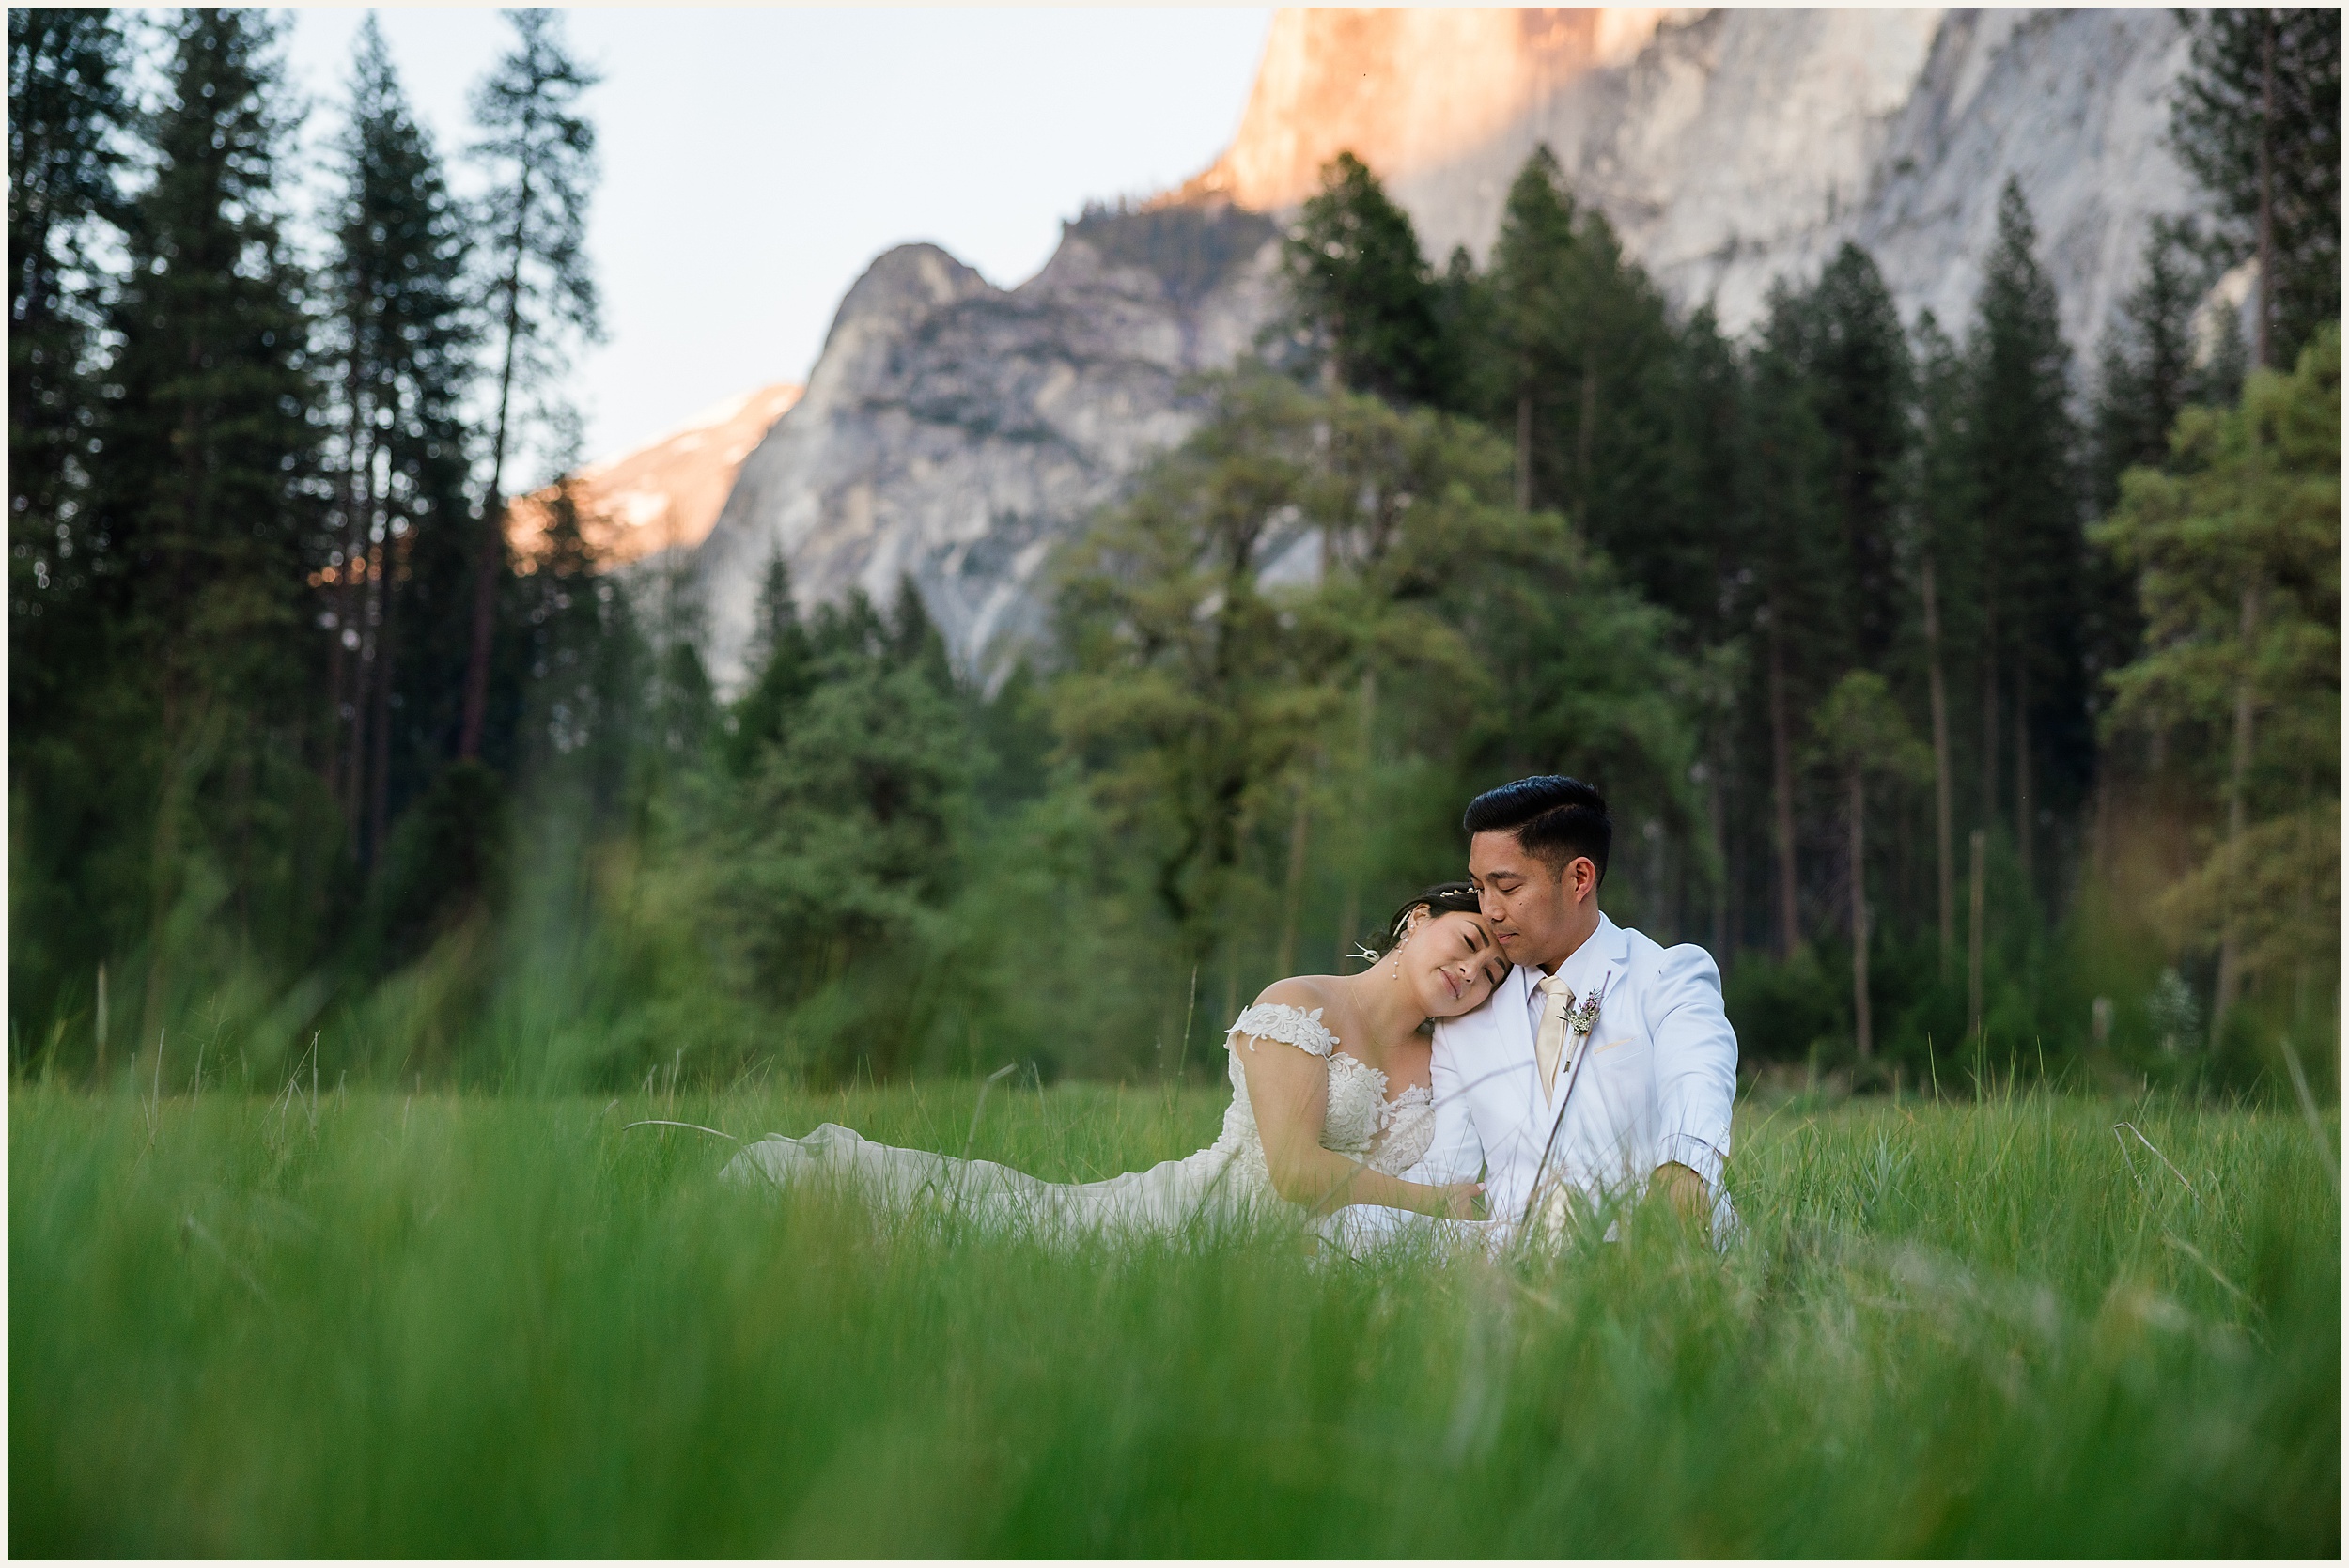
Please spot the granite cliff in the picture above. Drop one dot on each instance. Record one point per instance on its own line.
(952, 431)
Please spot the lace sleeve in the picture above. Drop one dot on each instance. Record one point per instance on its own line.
(1277, 1020)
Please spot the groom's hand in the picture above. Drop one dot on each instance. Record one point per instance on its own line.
(1682, 1187)
(1458, 1200)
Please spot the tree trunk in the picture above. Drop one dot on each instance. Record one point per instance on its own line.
(1783, 789)
(369, 600)
(379, 771)
(1716, 822)
(2238, 774)
(2265, 328)
(1979, 844)
(1943, 846)
(1293, 889)
(1989, 711)
(1856, 783)
(98, 1074)
(1525, 448)
(1350, 914)
(340, 668)
(1582, 440)
(2024, 810)
(493, 548)
(485, 581)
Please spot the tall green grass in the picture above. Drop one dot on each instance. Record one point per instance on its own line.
(504, 1326)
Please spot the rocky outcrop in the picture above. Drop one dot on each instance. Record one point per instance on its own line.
(664, 495)
(1732, 148)
(952, 431)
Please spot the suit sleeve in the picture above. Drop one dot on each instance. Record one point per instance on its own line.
(1457, 1153)
(1696, 1063)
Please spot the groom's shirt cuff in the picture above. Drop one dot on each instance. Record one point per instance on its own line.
(1682, 1148)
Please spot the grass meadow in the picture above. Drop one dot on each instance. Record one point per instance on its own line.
(382, 1324)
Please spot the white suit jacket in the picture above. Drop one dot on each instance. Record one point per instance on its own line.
(1656, 1085)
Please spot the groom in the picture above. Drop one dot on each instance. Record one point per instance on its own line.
(1602, 1068)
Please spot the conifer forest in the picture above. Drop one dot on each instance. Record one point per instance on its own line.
(1975, 702)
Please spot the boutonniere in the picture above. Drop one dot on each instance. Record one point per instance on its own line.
(1585, 1016)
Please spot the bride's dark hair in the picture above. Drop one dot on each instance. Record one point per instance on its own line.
(1444, 898)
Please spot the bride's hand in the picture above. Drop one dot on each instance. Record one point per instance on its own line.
(1456, 1199)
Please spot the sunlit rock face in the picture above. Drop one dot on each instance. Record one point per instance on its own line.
(954, 432)
(1731, 147)
(665, 494)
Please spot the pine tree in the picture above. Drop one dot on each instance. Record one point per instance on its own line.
(1863, 389)
(1532, 258)
(1464, 332)
(2146, 371)
(1861, 729)
(780, 661)
(2022, 479)
(537, 291)
(65, 104)
(403, 341)
(2257, 120)
(1702, 505)
(1362, 285)
(1588, 390)
(1794, 597)
(1945, 557)
(1701, 494)
(2238, 560)
(211, 518)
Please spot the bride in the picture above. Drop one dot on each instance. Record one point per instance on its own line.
(1331, 1103)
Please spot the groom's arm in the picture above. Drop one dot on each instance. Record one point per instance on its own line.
(1457, 1155)
(1696, 1065)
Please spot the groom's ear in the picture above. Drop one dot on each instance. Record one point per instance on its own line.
(1581, 874)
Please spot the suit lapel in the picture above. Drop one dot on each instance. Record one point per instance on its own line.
(1507, 1079)
(1545, 1117)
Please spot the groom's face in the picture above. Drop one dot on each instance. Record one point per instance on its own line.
(1537, 914)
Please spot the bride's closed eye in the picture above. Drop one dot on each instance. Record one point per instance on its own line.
(1493, 967)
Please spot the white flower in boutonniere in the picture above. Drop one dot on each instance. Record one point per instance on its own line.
(1585, 1017)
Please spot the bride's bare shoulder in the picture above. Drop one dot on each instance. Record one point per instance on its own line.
(1308, 991)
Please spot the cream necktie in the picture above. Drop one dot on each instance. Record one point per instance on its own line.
(1551, 1043)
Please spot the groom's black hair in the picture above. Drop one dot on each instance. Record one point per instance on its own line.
(1554, 818)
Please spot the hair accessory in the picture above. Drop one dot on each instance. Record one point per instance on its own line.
(1364, 954)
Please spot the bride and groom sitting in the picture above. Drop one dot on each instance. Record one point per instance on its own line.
(1572, 1064)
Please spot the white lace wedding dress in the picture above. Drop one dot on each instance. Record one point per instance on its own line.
(1225, 1180)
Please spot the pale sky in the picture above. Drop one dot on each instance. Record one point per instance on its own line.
(756, 161)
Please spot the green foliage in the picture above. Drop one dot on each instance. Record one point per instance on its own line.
(1577, 366)
(446, 863)
(2237, 556)
(399, 330)
(2257, 122)
(1860, 726)
(1217, 628)
(1362, 287)
(781, 659)
(846, 830)
(171, 806)
(537, 293)
(2148, 370)
(385, 1324)
(66, 107)
(2028, 550)
(540, 153)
